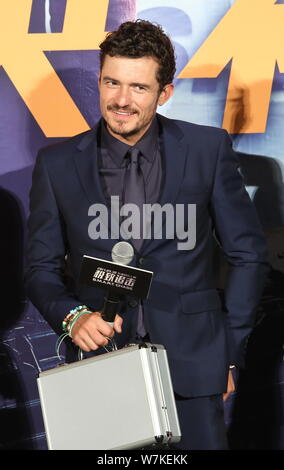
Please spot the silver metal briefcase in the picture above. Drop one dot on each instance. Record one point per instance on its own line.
(118, 400)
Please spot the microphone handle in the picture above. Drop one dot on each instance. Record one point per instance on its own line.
(110, 308)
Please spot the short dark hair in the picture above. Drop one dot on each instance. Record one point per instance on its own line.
(140, 38)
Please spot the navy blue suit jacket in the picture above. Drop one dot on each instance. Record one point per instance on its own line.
(183, 311)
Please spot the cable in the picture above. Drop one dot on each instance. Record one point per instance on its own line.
(80, 355)
(58, 344)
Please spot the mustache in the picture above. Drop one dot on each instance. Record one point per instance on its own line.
(115, 107)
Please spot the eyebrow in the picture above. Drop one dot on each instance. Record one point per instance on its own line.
(144, 85)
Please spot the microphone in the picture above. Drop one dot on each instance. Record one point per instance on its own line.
(122, 253)
(116, 278)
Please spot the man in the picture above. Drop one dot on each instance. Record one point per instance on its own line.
(177, 163)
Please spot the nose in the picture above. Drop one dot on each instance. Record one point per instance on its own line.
(123, 97)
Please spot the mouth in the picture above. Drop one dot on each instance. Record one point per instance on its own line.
(123, 114)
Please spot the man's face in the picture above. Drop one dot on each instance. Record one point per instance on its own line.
(129, 96)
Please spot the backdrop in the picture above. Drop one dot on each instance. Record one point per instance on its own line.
(230, 65)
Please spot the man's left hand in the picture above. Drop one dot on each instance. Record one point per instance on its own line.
(230, 386)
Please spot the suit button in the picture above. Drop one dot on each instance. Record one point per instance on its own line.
(141, 261)
(132, 303)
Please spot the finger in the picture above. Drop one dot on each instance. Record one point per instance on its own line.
(228, 393)
(117, 326)
(93, 324)
(90, 343)
(225, 396)
(98, 323)
(90, 340)
(82, 344)
(100, 339)
(104, 328)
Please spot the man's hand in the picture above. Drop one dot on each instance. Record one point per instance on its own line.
(230, 386)
(90, 331)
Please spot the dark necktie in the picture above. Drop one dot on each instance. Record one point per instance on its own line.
(134, 193)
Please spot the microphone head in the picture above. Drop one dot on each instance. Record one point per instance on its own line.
(122, 253)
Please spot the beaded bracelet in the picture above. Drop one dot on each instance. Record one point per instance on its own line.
(71, 316)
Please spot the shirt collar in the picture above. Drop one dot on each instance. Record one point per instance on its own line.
(117, 150)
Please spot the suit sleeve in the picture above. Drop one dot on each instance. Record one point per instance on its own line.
(240, 234)
(46, 252)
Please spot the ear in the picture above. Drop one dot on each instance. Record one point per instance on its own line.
(166, 94)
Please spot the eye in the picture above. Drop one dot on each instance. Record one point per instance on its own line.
(139, 88)
(111, 83)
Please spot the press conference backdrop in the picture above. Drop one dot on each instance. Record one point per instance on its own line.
(230, 66)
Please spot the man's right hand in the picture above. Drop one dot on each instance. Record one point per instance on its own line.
(90, 331)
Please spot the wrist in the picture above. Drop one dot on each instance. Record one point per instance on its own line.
(71, 318)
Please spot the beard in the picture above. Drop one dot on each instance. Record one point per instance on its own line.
(124, 133)
(119, 129)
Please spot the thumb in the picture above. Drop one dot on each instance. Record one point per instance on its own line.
(117, 325)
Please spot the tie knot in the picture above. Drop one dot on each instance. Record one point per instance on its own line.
(134, 155)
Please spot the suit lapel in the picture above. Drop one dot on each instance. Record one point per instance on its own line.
(174, 151)
(86, 162)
